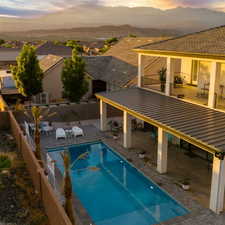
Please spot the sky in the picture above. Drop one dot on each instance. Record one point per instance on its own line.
(20, 8)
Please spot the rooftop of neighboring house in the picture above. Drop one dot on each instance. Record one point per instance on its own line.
(207, 42)
(54, 49)
(119, 65)
(96, 66)
(49, 61)
(8, 54)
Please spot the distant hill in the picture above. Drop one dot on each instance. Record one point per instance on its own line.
(183, 19)
(88, 33)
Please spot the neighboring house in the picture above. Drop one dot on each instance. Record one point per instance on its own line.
(7, 84)
(8, 57)
(118, 67)
(52, 66)
(49, 48)
(201, 57)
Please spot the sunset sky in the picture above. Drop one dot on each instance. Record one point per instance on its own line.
(37, 7)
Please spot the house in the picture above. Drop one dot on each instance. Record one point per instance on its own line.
(194, 119)
(118, 67)
(49, 48)
(7, 58)
(52, 66)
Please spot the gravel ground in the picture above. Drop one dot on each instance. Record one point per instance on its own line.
(19, 205)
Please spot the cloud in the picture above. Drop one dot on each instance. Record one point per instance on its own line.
(17, 12)
(39, 7)
(187, 3)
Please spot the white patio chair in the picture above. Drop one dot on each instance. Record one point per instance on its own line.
(60, 133)
(77, 131)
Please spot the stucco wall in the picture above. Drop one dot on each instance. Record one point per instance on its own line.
(52, 83)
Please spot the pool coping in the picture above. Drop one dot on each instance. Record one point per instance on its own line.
(82, 212)
(198, 213)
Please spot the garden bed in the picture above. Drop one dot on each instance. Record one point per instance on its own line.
(19, 204)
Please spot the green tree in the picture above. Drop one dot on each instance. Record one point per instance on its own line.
(27, 73)
(2, 41)
(132, 35)
(74, 45)
(111, 41)
(73, 78)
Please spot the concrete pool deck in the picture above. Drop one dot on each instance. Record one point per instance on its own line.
(180, 166)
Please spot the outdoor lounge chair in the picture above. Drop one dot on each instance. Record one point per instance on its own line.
(77, 131)
(60, 133)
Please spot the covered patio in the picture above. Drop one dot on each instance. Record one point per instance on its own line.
(199, 126)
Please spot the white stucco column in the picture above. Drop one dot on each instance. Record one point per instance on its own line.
(140, 69)
(214, 83)
(103, 116)
(168, 76)
(217, 185)
(162, 151)
(127, 130)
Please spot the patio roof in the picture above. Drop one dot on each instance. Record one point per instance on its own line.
(196, 124)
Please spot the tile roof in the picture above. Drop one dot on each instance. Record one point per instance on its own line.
(53, 49)
(119, 65)
(96, 66)
(49, 61)
(8, 54)
(211, 41)
(201, 125)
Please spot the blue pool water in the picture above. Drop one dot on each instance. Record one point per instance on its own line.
(113, 191)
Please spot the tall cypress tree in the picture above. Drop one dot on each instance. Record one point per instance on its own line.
(27, 73)
(73, 78)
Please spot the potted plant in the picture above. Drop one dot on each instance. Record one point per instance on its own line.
(141, 154)
(178, 81)
(185, 184)
(115, 133)
(162, 78)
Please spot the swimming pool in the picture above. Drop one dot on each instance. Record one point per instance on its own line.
(113, 191)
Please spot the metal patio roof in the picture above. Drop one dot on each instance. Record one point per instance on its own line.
(196, 124)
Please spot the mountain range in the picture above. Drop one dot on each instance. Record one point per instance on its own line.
(182, 19)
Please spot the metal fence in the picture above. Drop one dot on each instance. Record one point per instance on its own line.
(53, 208)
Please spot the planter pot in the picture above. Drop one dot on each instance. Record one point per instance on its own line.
(185, 187)
(141, 156)
(115, 137)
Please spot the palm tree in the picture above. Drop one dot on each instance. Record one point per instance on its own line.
(37, 116)
(67, 189)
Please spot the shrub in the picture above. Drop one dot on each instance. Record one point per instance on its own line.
(5, 162)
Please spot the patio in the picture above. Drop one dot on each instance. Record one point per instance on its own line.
(180, 166)
(192, 94)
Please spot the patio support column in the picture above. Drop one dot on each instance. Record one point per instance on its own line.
(217, 185)
(162, 151)
(126, 130)
(103, 116)
(213, 85)
(168, 76)
(140, 70)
